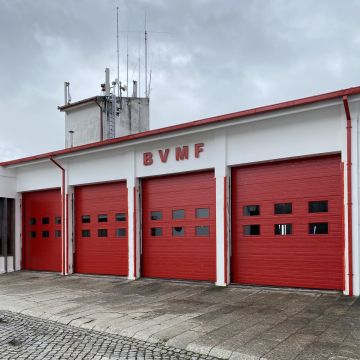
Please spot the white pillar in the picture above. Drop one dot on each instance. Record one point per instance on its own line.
(133, 228)
(222, 210)
(19, 236)
(222, 238)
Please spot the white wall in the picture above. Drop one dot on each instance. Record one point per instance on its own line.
(7, 183)
(38, 176)
(300, 134)
(85, 122)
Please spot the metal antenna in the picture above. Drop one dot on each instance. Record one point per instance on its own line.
(146, 86)
(117, 43)
(127, 64)
(139, 68)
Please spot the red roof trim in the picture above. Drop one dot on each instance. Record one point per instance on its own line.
(77, 103)
(196, 123)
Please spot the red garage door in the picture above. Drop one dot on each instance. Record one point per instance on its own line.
(179, 227)
(287, 224)
(101, 244)
(42, 230)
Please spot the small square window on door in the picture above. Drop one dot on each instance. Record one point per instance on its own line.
(57, 233)
(85, 233)
(102, 233)
(58, 220)
(251, 210)
(178, 214)
(102, 218)
(121, 232)
(202, 213)
(32, 221)
(120, 217)
(156, 215)
(283, 208)
(45, 220)
(85, 219)
(156, 231)
(178, 231)
(282, 229)
(318, 206)
(318, 228)
(251, 229)
(45, 234)
(202, 230)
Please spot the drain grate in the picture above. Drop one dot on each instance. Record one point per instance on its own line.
(14, 342)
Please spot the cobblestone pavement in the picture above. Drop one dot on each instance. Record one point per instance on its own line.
(26, 337)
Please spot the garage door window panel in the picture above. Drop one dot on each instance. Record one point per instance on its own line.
(58, 220)
(283, 229)
(85, 219)
(251, 210)
(202, 230)
(178, 214)
(120, 232)
(251, 230)
(319, 228)
(318, 206)
(45, 221)
(102, 218)
(178, 231)
(156, 231)
(57, 233)
(283, 208)
(32, 221)
(120, 217)
(45, 234)
(202, 213)
(85, 233)
(33, 234)
(156, 215)
(102, 233)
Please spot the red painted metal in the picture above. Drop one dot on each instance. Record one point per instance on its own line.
(212, 120)
(42, 253)
(94, 254)
(179, 257)
(300, 259)
(135, 231)
(349, 191)
(64, 268)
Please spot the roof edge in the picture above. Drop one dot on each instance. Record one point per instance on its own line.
(196, 123)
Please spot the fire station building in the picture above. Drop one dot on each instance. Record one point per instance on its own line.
(267, 196)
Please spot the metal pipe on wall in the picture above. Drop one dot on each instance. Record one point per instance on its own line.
(349, 190)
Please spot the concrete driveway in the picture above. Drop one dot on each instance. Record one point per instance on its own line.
(232, 322)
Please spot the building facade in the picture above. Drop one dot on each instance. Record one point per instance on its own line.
(267, 196)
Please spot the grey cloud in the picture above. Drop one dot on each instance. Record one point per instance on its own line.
(207, 57)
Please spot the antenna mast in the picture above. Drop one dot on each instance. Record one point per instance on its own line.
(117, 43)
(146, 86)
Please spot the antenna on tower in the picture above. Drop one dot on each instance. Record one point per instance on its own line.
(117, 44)
(127, 61)
(146, 86)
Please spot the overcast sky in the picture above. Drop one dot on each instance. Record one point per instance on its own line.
(207, 57)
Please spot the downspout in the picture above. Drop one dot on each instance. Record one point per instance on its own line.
(101, 121)
(349, 191)
(64, 250)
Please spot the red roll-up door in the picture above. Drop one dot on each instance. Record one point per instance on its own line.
(101, 243)
(287, 224)
(42, 230)
(179, 227)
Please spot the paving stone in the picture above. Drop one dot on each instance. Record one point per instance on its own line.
(26, 337)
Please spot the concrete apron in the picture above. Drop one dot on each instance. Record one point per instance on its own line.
(229, 323)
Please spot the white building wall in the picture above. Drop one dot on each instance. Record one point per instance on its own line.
(85, 122)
